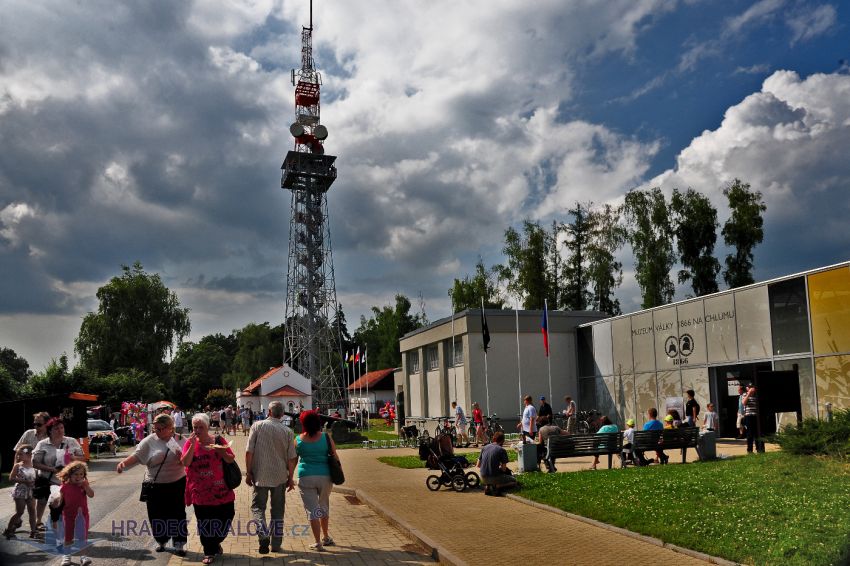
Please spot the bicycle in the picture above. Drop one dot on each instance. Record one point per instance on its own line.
(444, 426)
(587, 422)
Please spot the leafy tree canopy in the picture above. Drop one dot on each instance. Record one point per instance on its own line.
(743, 231)
(696, 234)
(138, 322)
(381, 333)
(196, 369)
(467, 293)
(651, 236)
(527, 271)
(14, 373)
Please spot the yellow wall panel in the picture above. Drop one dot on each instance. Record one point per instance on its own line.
(833, 382)
(829, 301)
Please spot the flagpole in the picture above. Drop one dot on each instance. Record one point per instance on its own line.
(345, 379)
(452, 364)
(486, 377)
(368, 399)
(518, 364)
(549, 354)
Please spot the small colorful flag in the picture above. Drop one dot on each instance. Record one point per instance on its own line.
(357, 357)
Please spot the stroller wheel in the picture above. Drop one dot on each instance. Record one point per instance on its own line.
(458, 483)
(433, 482)
(472, 480)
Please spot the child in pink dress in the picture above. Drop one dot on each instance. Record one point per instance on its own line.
(75, 491)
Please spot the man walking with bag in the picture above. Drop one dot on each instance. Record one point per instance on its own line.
(270, 443)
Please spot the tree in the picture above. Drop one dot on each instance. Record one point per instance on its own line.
(607, 236)
(743, 231)
(381, 333)
(696, 234)
(651, 236)
(126, 385)
(527, 272)
(196, 369)
(260, 348)
(218, 398)
(56, 379)
(469, 292)
(575, 296)
(138, 322)
(14, 373)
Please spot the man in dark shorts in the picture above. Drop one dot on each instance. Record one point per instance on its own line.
(493, 463)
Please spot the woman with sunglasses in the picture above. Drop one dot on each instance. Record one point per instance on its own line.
(161, 453)
(51, 454)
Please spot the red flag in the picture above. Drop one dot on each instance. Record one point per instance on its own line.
(544, 327)
(357, 356)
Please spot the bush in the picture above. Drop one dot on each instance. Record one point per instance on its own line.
(818, 437)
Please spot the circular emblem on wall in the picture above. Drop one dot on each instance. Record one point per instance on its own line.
(671, 347)
(285, 374)
(686, 345)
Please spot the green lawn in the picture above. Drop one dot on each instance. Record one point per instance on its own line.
(413, 461)
(378, 431)
(765, 509)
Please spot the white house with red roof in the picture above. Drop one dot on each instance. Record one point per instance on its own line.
(282, 384)
(372, 390)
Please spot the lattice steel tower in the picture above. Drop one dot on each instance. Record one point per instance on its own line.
(313, 346)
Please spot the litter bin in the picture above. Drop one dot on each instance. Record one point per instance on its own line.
(707, 445)
(527, 458)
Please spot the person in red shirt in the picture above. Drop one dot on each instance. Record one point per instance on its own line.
(478, 419)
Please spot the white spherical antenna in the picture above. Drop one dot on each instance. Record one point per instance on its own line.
(297, 130)
(320, 132)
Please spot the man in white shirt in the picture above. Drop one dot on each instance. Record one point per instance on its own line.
(179, 420)
(529, 420)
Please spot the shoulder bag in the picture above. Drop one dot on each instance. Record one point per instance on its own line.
(232, 473)
(334, 465)
(149, 486)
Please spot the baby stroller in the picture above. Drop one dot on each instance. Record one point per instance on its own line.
(438, 454)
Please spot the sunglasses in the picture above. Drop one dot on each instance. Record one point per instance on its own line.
(37, 424)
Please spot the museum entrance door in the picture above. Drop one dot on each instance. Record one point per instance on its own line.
(726, 382)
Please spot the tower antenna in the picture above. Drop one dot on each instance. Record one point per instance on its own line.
(313, 346)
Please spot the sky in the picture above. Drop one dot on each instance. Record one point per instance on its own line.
(154, 131)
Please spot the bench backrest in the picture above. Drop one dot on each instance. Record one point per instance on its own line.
(684, 437)
(584, 444)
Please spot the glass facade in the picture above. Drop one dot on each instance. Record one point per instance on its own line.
(720, 330)
(789, 316)
(752, 315)
(829, 296)
(647, 359)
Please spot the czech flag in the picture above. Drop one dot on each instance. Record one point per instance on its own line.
(544, 327)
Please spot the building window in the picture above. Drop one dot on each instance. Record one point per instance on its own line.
(414, 361)
(433, 357)
(789, 316)
(457, 352)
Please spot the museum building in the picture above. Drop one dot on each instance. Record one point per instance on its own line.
(790, 336)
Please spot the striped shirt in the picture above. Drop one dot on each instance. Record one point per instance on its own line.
(272, 445)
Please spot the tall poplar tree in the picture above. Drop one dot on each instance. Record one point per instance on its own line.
(696, 234)
(467, 293)
(607, 236)
(575, 295)
(527, 271)
(743, 231)
(650, 233)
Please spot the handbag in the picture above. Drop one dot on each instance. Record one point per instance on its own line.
(334, 465)
(232, 473)
(41, 489)
(148, 486)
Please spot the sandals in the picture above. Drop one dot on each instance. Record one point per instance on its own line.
(208, 559)
(328, 541)
(317, 546)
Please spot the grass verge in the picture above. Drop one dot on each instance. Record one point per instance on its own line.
(764, 509)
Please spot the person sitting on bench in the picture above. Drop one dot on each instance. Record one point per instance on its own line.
(493, 463)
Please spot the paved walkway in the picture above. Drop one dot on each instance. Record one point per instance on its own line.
(476, 529)
(362, 537)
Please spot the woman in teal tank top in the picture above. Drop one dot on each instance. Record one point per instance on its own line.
(314, 478)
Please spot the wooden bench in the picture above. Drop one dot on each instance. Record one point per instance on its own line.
(569, 446)
(667, 439)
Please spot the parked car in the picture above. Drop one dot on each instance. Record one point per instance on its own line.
(102, 437)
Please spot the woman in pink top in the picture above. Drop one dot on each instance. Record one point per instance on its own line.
(205, 487)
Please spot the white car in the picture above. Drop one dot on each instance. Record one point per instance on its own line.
(102, 437)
